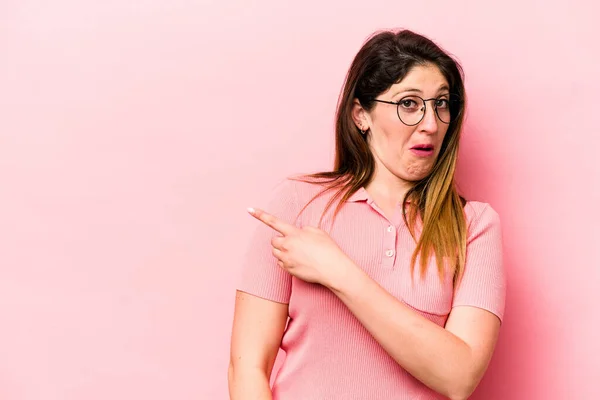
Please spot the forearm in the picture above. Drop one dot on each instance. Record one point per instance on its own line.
(248, 384)
(430, 353)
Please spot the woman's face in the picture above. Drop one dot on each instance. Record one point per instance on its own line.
(408, 152)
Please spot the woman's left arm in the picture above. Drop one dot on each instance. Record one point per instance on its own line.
(450, 360)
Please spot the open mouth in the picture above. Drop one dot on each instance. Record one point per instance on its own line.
(422, 150)
(423, 147)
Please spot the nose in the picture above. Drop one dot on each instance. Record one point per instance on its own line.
(429, 123)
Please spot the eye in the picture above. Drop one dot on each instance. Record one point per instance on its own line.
(409, 104)
(442, 103)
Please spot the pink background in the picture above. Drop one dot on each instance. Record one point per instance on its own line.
(133, 135)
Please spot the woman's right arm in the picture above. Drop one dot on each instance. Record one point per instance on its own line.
(258, 326)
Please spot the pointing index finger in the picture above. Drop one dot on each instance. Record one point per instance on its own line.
(270, 220)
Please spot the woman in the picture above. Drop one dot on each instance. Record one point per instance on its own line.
(377, 279)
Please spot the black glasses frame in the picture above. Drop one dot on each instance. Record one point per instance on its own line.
(450, 98)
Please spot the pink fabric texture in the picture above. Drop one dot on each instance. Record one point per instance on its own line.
(329, 354)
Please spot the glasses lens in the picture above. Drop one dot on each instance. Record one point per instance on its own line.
(447, 107)
(410, 110)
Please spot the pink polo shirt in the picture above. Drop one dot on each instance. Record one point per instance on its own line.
(329, 354)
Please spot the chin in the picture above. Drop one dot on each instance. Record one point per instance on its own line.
(413, 178)
(414, 174)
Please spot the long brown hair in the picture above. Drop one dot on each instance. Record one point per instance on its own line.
(385, 59)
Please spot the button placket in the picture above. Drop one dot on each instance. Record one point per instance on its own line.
(389, 238)
(389, 246)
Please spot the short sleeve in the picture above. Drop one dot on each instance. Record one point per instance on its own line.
(260, 275)
(483, 284)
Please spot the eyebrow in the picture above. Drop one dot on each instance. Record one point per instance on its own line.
(441, 88)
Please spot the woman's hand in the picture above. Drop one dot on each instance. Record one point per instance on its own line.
(307, 253)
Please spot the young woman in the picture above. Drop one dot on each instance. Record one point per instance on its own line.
(377, 279)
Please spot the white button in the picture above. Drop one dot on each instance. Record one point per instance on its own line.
(389, 253)
(390, 228)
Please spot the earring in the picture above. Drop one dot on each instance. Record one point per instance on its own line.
(362, 132)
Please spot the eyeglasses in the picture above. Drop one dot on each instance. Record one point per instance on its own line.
(411, 109)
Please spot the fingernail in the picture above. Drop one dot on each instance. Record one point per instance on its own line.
(250, 210)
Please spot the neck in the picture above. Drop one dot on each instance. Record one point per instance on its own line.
(387, 186)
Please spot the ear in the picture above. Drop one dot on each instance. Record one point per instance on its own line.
(360, 116)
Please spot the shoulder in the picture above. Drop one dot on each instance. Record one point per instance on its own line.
(288, 194)
(478, 209)
(303, 187)
(480, 216)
